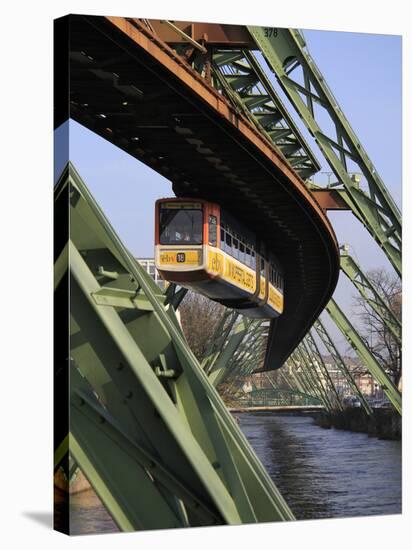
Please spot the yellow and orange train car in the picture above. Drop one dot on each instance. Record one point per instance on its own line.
(201, 246)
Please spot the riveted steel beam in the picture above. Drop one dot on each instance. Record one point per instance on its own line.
(286, 53)
(246, 83)
(121, 348)
(365, 354)
(370, 294)
(315, 376)
(340, 364)
(317, 358)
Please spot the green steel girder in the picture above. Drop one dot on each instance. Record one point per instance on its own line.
(302, 381)
(292, 378)
(219, 369)
(175, 296)
(340, 364)
(240, 75)
(370, 294)
(311, 380)
(286, 53)
(219, 340)
(315, 354)
(314, 374)
(100, 444)
(365, 354)
(138, 391)
(281, 377)
(248, 355)
(290, 390)
(270, 394)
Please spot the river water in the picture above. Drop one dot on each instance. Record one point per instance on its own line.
(326, 473)
(320, 473)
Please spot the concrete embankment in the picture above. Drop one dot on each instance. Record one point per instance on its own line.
(384, 424)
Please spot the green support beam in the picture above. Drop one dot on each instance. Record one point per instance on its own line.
(290, 390)
(315, 355)
(370, 294)
(365, 354)
(304, 368)
(219, 340)
(239, 74)
(142, 407)
(277, 397)
(247, 357)
(314, 373)
(301, 80)
(340, 364)
(298, 384)
(219, 369)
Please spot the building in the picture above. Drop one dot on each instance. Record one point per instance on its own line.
(149, 265)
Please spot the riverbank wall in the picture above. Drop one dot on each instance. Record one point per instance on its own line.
(384, 424)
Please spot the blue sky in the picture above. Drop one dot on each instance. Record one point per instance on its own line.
(364, 72)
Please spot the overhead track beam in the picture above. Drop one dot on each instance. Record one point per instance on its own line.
(286, 53)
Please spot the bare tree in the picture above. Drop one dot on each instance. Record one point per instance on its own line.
(375, 331)
(200, 317)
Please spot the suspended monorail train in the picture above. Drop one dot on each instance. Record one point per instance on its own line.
(201, 246)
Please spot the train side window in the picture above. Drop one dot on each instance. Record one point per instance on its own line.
(228, 243)
(212, 230)
(247, 256)
(235, 249)
(242, 253)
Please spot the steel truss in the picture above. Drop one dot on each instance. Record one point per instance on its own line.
(239, 75)
(340, 364)
(364, 354)
(316, 358)
(147, 428)
(277, 397)
(301, 80)
(370, 294)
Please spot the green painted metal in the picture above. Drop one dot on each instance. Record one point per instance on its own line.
(247, 357)
(310, 379)
(171, 436)
(291, 378)
(290, 390)
(217, 374)
(239, 74)
(365, 354)
(219, 340)
(315, 355)
(314, 375)
(340, 364)
(276, 397)
(370, 294)
(175, 296)
(286, 53)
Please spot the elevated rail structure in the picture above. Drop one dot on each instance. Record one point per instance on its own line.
(193, 102)
(129, 86)
(146, 427)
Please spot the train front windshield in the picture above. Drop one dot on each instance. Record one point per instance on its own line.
(181, 226)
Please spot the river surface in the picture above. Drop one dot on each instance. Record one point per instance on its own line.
(326, 473)
(320, 473)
